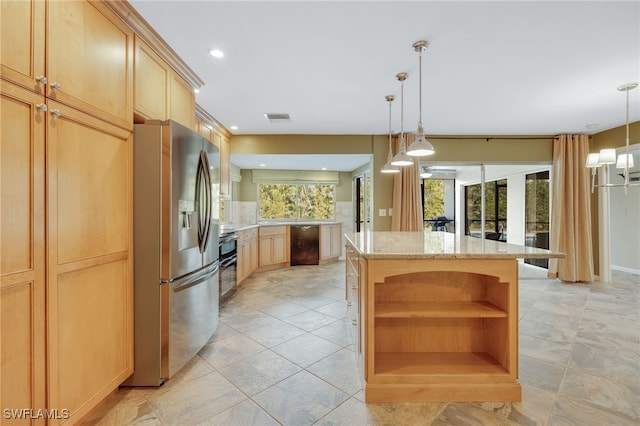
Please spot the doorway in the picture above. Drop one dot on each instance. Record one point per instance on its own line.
(362, 200)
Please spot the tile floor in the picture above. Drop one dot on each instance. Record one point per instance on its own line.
(283, 355)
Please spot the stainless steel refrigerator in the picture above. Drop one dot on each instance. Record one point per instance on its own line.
(176, 224)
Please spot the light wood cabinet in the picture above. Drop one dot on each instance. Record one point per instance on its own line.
(160, 92)
(182, 101)
(22, 45)
(356, 283)
(77, 121)
(330, 242)
(90, 231)
(247, 253)
(151, 83)
(274, 247)
(22, 244)
(88, 57)
(223, 142)
(435, 329)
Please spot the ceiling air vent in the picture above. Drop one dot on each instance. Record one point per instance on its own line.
(278, 118)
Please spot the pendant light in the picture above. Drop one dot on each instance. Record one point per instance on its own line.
(401, 158)
(421, 147)
(608, 155)
(388, 167)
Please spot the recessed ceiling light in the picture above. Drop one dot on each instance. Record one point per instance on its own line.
(263, 165)
(234, 127)
(216, 53)
(324, 168)
(196, 91)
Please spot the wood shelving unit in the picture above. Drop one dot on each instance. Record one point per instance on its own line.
(438, 330)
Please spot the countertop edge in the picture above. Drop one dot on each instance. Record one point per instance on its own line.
(492, 255)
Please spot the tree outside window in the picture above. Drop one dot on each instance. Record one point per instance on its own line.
(291, 201)
(495, 208)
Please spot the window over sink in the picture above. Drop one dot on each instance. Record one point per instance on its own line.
(296, 201)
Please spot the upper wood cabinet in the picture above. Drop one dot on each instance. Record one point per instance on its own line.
(160, 93)
(182, 101)
(22, 43)
(223, 142)
(76, 52)
(151, 82)
(22, 244)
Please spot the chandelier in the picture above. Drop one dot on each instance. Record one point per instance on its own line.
(608, 156)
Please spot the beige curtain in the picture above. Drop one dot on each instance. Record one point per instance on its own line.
(571, 210)
(407, 200)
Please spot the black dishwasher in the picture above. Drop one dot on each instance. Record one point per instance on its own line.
(305, 244)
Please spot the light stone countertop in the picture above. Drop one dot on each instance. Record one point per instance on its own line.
(428, 244)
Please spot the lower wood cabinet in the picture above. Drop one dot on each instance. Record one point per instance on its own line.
(330, 242)
(274, 247)
(247, 253)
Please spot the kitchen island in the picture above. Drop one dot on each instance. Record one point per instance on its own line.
(435, 315)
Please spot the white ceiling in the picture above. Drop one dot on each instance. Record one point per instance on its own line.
(492, 68)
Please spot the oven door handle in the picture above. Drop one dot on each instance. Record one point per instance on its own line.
(228, 261)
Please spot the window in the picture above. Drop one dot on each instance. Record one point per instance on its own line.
(292, 201)
(438, 204)
(536, 208)
(495, 210)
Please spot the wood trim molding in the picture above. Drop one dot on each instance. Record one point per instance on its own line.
(142, 29)
(203, 115)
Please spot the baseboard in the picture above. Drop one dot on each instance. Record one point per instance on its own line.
(625, 269)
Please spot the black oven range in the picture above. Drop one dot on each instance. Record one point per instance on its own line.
(228, 262)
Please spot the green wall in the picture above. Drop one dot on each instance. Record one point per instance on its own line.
(246, 190)
(475, 149)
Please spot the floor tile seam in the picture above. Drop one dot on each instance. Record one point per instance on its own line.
(597, 407)
(276, 384)
(636, 389)
(163, 389)
(305, 367)
(336, 407)
(269, 387)
(558, 393)
(351, 395)
(217, 369)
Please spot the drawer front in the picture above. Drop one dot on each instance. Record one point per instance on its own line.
(273, 230)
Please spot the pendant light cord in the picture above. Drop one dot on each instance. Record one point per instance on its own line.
(420, 88)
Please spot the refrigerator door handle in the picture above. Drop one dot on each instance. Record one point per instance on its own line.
(203, 198)
(194, 279)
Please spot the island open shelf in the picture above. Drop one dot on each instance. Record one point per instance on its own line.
(435, 316)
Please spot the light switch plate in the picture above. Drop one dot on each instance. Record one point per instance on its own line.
(390, 211)
(382, 212)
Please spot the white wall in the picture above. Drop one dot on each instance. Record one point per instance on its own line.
(515, 209)
(625, 221)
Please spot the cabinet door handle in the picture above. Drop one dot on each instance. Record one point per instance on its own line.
(55, 86)
(349, 303)
(42, 107)
(41, 79)
(56, 112)
(353, 287)
(354, 322)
